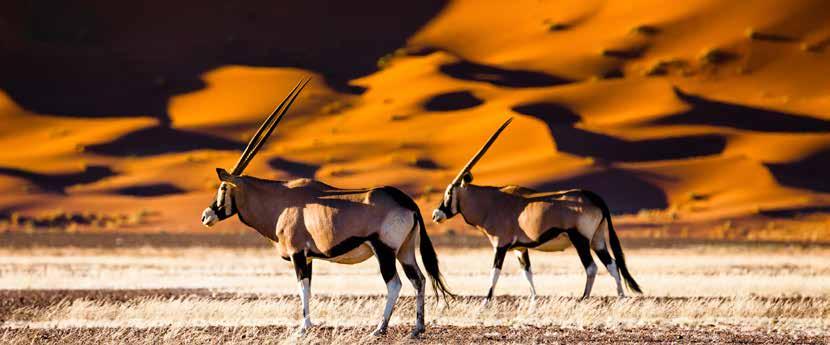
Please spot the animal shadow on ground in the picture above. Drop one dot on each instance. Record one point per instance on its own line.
(59, 182)
(714, 113)
(577, 141)
(500, 77)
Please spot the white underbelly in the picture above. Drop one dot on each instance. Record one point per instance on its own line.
(353, 256)
(558, 243)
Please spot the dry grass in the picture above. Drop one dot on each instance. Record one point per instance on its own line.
(250, 294)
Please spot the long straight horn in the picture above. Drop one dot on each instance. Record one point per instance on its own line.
(481, 152)
(267, 128)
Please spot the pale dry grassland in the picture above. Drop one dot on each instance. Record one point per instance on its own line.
(248, 292)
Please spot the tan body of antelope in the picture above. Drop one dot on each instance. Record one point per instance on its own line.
(310, 220)
(517, 218)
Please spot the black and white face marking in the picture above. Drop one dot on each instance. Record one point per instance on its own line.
(221, 208)
(449, 205)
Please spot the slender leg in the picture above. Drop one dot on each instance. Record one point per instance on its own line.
(524, 261)
(584, 250)
(302, 268)
(417, 279)
(406, 256)
(388, 269)
(612, 269)
(498, 261)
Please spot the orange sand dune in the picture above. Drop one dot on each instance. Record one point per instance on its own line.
(703, 109)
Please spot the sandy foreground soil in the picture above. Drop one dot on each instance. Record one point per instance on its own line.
(695, 294)
(511, 332)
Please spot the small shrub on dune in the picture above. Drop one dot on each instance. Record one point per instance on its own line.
(648, 30)
(716, 56)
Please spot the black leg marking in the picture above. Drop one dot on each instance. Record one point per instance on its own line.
(582, 246)
(498, 262)
(301, 266)
(417, 278)
(386, 259)
(524, 260)
(310, 264)
(303, 271)
(414, 275)
(604, 256)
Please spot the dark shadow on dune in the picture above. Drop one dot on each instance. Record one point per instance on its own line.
(714, 113)
(158, 140)
(585, 143)
(452, 101)
(499, 76)
(762, 36)
(581, 142)
(114, 58)
(809, 173)
(614, 73)
(149, 190)
(551, 113)
(790, 213)
(623, 191)
(426, 164)
(633, 53)
(294, 168)
(59, 182)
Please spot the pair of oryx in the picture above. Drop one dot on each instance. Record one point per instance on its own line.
(309, 219)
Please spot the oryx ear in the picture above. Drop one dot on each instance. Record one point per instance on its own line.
(467, 178)
(224, 176)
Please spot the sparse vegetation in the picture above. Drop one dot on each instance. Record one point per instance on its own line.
(664, 67)
(754, 34)
(205, 295)
(398, 117)
(335, 107)
(71, 221)
(648, 30)
(716, 56)
(558, 27)
(386, 60)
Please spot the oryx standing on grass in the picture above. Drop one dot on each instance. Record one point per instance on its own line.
(517, 218)
(309, 220)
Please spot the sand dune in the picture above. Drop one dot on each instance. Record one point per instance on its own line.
(704, 108)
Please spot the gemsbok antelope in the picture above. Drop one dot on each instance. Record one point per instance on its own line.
(517, 218)
(308, 220)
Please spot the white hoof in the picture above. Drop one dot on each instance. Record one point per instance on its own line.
(531, 302)
(485, 303)
(379, 332)
(305, 326)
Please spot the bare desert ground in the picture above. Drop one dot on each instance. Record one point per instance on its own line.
(204, 294)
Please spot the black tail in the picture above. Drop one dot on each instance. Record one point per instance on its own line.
(430, 260)
(619, 257)
(428, 256)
